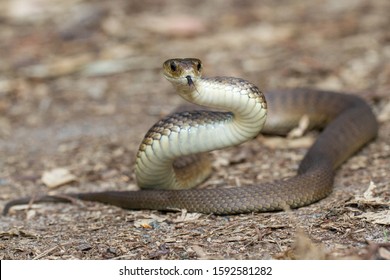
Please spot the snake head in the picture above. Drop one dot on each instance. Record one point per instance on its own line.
(183, 73)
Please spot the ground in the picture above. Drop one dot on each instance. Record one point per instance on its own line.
(80, 84)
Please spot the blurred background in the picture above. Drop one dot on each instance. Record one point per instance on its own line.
(64, 60)
(80, 80)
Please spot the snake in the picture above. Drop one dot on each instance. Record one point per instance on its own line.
(172, 158)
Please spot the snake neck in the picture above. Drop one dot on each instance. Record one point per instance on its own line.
(187, 133)
(243, 102)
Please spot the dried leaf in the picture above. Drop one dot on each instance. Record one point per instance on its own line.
(144, 223)
(384, 253)
(370, 198)
(18, 232)
(57, 177)
(150, 222)
(301, 129)
(381, 217)
(305, 249)
(285, 143)
(384, 115)
(185, 217)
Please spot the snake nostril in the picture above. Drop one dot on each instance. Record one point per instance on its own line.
(199, 66)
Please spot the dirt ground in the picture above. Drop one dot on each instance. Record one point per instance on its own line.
(80, 84)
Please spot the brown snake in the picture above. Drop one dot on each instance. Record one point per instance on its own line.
(347, 122)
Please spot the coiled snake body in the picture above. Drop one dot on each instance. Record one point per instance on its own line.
(347, 121)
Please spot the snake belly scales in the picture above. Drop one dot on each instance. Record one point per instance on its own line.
(347, 124)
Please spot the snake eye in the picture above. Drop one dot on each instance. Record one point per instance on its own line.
(173, 66)
(199, 66)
